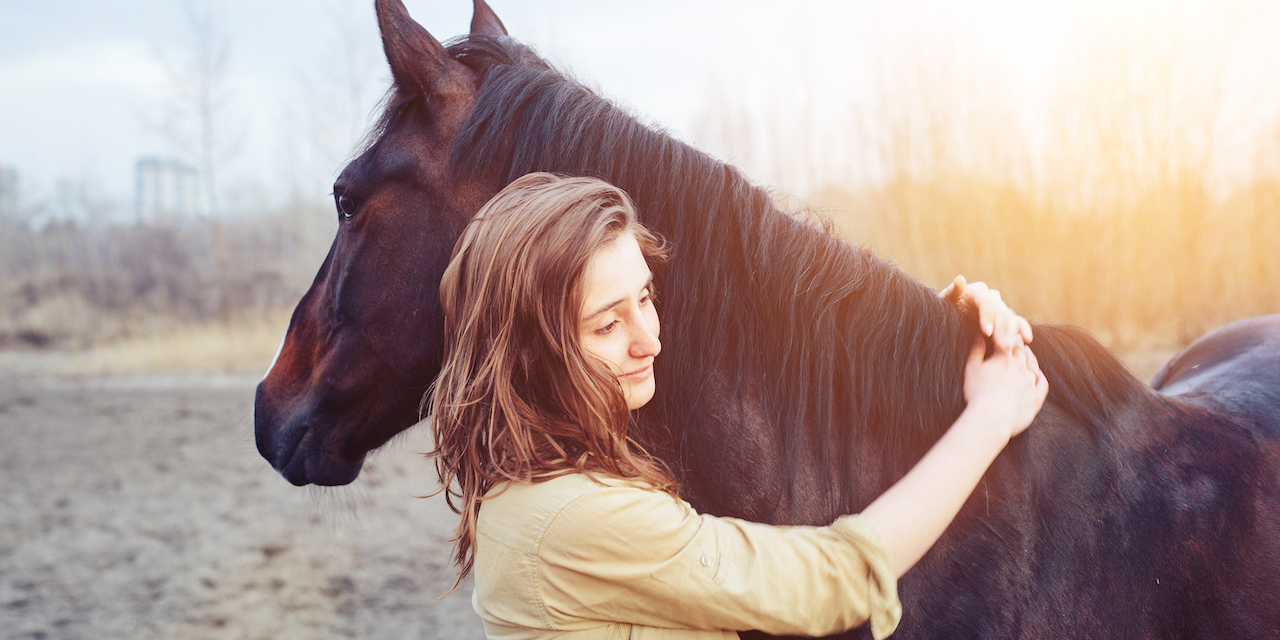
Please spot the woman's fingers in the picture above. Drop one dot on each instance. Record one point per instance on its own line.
(954, 292)
(977, 353)
(1027, 359)
(1004, 323)
(989, 305)
(1042, 383)
(995, 319)
(1033, 398)
(994, 316)
(1012, 330)
(1006, 328)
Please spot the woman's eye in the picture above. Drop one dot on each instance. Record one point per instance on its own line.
(608, 328)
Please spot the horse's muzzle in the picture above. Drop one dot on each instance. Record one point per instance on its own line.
(287, 441)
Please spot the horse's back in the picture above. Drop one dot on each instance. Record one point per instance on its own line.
(1235, 369)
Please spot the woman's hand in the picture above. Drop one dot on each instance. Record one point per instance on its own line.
(996, 320)
(1006, 389)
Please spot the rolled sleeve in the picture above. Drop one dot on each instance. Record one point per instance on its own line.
(640, 556)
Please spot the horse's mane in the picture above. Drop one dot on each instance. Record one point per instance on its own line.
(785, 307)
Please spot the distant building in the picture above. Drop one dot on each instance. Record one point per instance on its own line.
(8, 192)
(165, 190)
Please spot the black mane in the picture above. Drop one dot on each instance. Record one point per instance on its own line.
(785, 307)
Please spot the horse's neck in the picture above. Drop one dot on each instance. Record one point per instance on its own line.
(847, 353)
(783, 304)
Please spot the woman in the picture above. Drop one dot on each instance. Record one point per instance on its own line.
(571, 528)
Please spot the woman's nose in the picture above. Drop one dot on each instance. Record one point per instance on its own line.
(644, 339)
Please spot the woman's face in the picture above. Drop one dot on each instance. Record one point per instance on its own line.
(619, 323)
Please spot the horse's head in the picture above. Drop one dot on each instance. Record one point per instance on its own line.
(365, 340)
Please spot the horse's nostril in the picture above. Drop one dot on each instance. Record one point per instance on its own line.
(287, 451)
(289, 444)
(295, 473)
(278, 432)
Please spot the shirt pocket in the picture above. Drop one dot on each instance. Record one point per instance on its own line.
(711, 563)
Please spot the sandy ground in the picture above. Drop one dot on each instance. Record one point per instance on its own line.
(137, 507)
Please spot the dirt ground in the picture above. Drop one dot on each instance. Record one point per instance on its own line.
(138, 507)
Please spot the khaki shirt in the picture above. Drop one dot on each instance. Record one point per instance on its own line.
(577, 558)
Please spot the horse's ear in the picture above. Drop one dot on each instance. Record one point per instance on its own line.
(418, 61)
(485, 22)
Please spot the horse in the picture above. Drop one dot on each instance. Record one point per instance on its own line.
(801, 376)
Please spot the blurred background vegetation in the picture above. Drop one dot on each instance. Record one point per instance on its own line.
(1136, 193)
(150, 297)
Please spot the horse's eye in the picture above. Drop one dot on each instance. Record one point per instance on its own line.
(345, 204)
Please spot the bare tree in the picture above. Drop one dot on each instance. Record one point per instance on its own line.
(196, 116)
(332, 99)
(198, 122)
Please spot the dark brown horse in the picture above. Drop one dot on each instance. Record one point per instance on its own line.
(800, 376)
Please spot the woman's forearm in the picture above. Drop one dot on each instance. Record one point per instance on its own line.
(914, 512)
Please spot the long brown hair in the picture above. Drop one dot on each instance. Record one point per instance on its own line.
(517, 398)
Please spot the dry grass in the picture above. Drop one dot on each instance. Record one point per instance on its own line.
(1144, 363)
(1137, 197)
(1149, 275)
(239, 347)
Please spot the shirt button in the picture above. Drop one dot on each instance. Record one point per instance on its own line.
(706, 561)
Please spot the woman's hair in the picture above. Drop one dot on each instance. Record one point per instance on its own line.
(517, 398)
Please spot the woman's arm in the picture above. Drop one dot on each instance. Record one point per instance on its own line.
(620, 553)
(642, 557)
(1004, 393)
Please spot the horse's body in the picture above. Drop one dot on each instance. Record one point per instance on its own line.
(1231, 370)
(800, 376)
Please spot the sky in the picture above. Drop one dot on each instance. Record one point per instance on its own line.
(84, 83)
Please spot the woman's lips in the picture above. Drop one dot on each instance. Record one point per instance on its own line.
(639, 374)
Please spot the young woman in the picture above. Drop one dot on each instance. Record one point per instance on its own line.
(571, 529)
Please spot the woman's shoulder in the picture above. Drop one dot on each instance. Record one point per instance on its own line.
(520, 513)
(534, 497)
